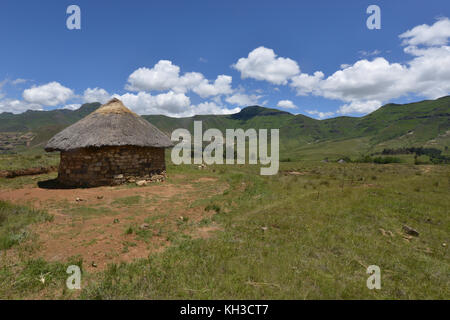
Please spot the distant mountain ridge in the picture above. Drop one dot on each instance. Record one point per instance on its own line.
(424, 123)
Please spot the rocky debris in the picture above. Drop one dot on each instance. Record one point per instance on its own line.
(94, 264)
(295, 173)
(99, 197)
(78, 199)
(386, 233)
(410, 231)
(341, 161)
(144, 226)
(158, 178)
(202, 166)
(116, 220)
(141, 183)
(151, 178)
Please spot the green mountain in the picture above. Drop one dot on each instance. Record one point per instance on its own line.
(420, 124)
(43, 124)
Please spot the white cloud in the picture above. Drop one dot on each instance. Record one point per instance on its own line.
(306, 84)
(96, 95)
(359, 107)
(319, 114)
(208, 108)
(17, 106)
(222, 85)
(428, 73)
(242, 99)
(72, 107)
(367, 84)
(50, 94)
(434, 35)
(368, 80)
(19, 81)
(369, 53)
(263, 64)
(170, 104)
(166, 76)
(288, 104)
(163, 76)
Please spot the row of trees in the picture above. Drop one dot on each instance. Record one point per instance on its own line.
(435, 155)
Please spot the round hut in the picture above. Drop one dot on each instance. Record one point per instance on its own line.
(109, 146)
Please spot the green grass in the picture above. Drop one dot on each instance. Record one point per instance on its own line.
(28, 158)
(14, 221)
(37, 278)
(291, 237)
(308, 236)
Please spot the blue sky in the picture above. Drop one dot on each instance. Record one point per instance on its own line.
(187, 57)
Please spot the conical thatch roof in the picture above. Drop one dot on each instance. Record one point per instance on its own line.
(112, 124)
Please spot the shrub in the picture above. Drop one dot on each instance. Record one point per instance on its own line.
(213, 206)
(378, 160)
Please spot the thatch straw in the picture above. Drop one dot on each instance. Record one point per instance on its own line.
(112, 124)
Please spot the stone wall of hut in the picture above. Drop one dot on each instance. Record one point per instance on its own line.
(109, 165)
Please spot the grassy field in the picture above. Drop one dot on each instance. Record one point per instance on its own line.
(309, 232)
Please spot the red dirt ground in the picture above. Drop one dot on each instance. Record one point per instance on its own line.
(94, 227)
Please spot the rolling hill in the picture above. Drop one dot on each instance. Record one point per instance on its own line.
(420, 124)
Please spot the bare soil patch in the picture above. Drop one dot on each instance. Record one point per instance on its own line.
(113, 224)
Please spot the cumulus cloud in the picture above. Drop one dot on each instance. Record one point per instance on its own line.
(242, 99)
(163, 76)
(367, 84)
(96, 95)
(434, 35)
(359, 107)
(50, 94)
(360, 84)
(305, 83)
(428, 73)
(170, 104)
(368, 80)
(288, 104)
(166, 76)
(208, 108)
(319, 114)
(222, 85)
(263, 64)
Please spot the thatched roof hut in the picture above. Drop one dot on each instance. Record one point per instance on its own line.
(112, 124)
(109, 146)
